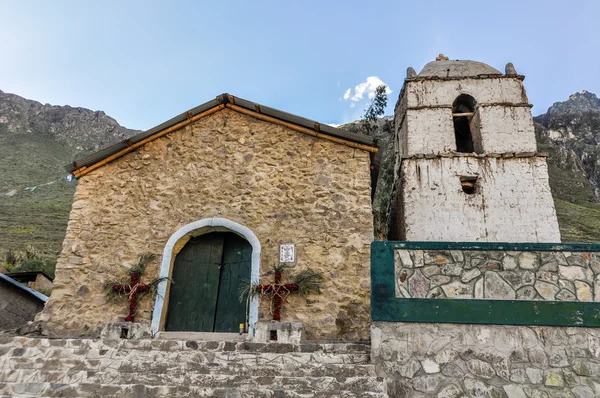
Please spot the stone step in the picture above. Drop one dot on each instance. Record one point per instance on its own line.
(83, 390)
(8, 342)
(325, 383)
(281, 367)
(97, 358)
(39, 367)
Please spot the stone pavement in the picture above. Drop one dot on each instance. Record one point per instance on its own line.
(40, 367)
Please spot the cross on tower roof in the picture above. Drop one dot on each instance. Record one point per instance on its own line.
(441, 57)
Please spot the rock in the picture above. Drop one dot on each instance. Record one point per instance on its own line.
(496, 288)
(452, 370)
(410, 72)
(546, 290)
(404, 257)
(450, 391)
(514, 391)
(565, 295)
(538, 358)
(430, 366)
(554, 378)
(445, 356)
(451, 269)
(583, 392)
(584, 291)
(427, 383)
(418, 285)
(557, 358)
(469, 275)
(528, 260)
(457, 289)
(570, 286)
(438, 280)
(480, 368)
(476, 388)
(409, 369)
(536, 376)
(526, 293)
(509, 263)
(571, 273)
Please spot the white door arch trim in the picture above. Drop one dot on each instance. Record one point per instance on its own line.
(176, 243)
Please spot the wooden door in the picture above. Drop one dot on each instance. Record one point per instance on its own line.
(206, 277)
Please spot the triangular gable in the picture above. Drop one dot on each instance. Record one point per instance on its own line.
(91, 162)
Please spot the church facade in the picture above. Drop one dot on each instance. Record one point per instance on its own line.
(214, 193)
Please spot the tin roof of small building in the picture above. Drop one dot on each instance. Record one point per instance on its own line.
(26, 289)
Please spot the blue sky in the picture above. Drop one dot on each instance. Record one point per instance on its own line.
(143, 62)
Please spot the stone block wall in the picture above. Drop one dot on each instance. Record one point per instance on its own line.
(17, 307)
(497, 275)
(447, 360)
(285, 186)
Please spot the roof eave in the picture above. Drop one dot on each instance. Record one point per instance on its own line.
(221, 101)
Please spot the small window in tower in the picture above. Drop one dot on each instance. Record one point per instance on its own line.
(469, 184)
(463, 110)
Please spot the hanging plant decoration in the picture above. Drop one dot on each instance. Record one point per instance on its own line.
(303, 283)
(134, 290)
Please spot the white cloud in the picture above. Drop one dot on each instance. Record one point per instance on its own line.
(347, 94)
(367, 87)
(334, 124)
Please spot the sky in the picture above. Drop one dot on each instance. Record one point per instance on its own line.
(143, 62)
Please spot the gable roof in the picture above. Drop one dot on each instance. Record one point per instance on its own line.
(95, 160)
(26, 289)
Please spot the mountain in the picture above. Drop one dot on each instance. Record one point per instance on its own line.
(570, 132)
(36, 141)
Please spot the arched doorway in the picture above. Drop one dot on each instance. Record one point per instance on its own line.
(175, 245)
(207, 275)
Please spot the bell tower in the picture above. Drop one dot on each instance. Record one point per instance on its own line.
(467, 166)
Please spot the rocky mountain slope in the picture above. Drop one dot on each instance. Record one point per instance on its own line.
(570, 132)
(36, 141)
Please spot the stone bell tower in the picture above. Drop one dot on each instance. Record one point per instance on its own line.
(467, 166)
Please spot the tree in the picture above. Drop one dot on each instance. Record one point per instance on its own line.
(374, 111)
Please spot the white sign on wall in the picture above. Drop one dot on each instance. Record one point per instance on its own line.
(287, 253)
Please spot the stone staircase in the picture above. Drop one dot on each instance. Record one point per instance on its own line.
(40, 367)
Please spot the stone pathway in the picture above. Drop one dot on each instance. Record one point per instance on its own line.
(39, 367)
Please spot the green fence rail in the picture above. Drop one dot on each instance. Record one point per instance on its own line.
(385, 306)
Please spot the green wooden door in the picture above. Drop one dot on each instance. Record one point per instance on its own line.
(206, 276)
(237, 253)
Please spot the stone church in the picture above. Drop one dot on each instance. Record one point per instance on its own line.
(221, 186)
(220, 190)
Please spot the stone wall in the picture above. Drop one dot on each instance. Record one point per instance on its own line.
(285, 186)
(17, 307)
(446, 360)
(497, 275)
(511, 201)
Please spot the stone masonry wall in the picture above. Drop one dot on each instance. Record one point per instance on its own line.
(493, 361)
(17, 307)
(497, 275)
(287, 187)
